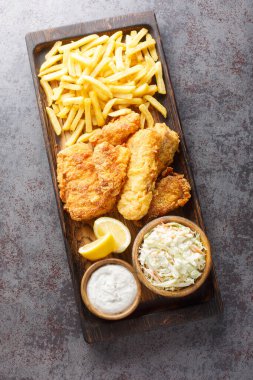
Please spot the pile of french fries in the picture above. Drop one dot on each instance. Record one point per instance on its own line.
(100, 77)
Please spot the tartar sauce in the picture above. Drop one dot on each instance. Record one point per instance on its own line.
(172, 256)
(112, 289)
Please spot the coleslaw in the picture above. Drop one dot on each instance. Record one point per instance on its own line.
(172, 256)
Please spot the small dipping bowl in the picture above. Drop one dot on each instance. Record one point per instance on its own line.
(87, 301)
(182, 292)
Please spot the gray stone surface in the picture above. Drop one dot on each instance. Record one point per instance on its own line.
(209, 48)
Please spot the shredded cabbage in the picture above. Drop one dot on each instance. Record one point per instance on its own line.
(172, 256)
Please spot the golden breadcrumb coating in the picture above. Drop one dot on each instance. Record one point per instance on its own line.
(90, 181)
(170, 192)
(169, 146)
(118, 131)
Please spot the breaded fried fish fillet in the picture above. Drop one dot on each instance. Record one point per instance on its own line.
(171, 192)
(169, 146)
(90, 181)
(117, 131)
(141, 175)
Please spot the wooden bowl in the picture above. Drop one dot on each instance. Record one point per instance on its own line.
(168, 293)
(86, 300)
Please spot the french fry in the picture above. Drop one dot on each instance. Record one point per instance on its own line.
(139, 47)
(156, 104)
(94, 120)
(122, 89)
(96, 108)
(119, 39)
(159, 78)
(129, 102)
(144, 110)
(100, 94)
(54, 121)
(152, 49)
(53, 50)
(73, 138)
(48, 91)
(136, 39)
(116, 35)
(71, 86)
(51, 69)
(97, 56)
(88, 122)
(152, 89)
(123, 74)
(88, 53)
(142, 121)
(149, 60)
(141, 90)
(71, 66)
(138, 55)
(86, 136)
(148, 75)
(99, 41)
(70, 118)
(66, 95)
(79, 58)
(56, 109)
(57, 91)
(65, 58)
(100, 67)
(77, 44)
(121, 112)
(118, 58)
(96, 83)
(123, 96)
(140, 74)
(56, 75)
(77, 118)
(108, 107)
(78, 69)
(73, 100)
(109, 49)
(50, 62)
(112, 67)
(63, 112)
(68, 78)
(120, 44)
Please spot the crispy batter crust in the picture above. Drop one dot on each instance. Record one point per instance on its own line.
(90, 182)
(168, 147)
(141, 175)
(171, 192)
(118, 131)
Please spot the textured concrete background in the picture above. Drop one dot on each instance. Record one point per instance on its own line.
(209, 48)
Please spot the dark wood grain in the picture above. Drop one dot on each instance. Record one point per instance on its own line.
(154, 310)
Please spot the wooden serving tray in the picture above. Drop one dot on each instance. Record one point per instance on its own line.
(153, 310)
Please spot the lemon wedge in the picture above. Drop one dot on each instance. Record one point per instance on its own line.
(99, 248)
(120, 233)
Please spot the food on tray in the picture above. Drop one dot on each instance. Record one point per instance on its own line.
(118, 131)
(151, 150)
(120, 233)
(171, 192)
(90, 181)
(172, 256)
(168, 147)
(137, 192)
(97, 77)
(88, 81)
(112, 289)
(99, 248)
